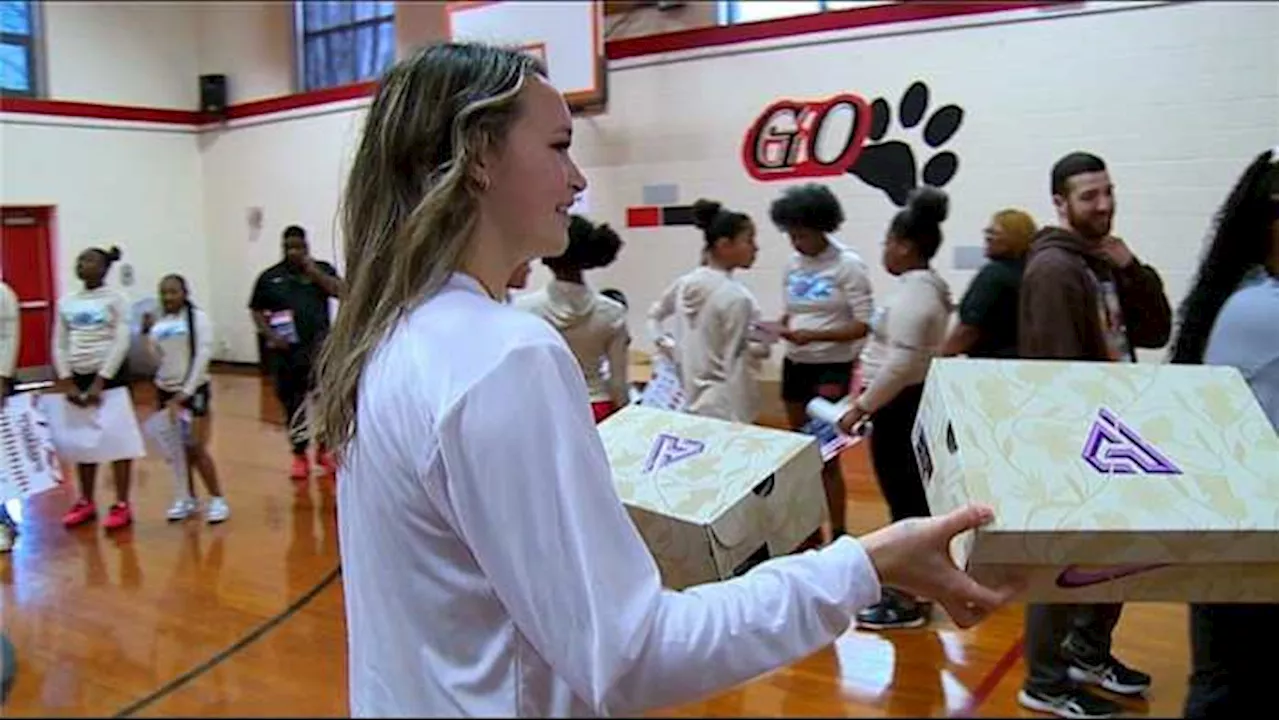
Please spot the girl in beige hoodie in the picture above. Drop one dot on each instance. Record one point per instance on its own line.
(594, 326)
(719, 352)
(907, 332)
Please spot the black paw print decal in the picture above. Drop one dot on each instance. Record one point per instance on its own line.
(890, 165)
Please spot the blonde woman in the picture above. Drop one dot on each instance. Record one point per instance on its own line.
(988, 323)
(489, 567)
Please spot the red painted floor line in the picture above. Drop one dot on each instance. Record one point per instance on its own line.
(992, 679)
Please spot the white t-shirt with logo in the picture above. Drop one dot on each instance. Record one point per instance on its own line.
(825, 292)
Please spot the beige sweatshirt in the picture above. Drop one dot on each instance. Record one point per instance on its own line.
(826, 292)
(595, 328)
(91, 333)
(719, 362)
(906, 333)
(10, 331)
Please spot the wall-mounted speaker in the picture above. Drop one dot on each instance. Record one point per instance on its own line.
(213, 94)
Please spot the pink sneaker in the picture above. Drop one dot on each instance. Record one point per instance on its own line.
(118, 516)
(301, 468)
(80, 513)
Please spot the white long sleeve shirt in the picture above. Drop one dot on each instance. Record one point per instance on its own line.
(906, 334)
(91, 333)
(595, 328)
(10, 330)
(490, 568)
(170, 343)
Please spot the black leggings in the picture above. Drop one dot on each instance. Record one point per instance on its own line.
(294, 380)
(1225, 680)
(894, 458)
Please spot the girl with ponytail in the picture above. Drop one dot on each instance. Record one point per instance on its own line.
(907, 332)
(719, 355)
(181, 340)
(91, 341)
(594, 326)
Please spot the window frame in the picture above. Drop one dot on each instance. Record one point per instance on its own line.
(301, 35)
(727, 12)
(34, 43)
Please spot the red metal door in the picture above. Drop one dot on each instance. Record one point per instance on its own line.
(27, 265)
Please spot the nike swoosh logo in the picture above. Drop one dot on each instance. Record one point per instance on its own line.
(1076, 576)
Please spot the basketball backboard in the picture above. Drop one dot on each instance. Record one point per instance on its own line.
(567, 36)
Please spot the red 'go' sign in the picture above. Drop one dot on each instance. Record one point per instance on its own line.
(806, 138)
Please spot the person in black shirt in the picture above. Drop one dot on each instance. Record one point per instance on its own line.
(290, 307)
(988, 326)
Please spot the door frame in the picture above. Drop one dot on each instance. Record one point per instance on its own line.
(49, 215)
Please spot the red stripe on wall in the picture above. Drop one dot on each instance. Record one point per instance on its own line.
(902, 12)
(301, 100)
(638, 217)
(64, 108)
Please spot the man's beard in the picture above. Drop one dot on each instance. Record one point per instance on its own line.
(1088, 227)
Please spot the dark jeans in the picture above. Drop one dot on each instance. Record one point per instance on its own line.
(1231, 670)
(293, 377)
(1087, 627)
(894, 458)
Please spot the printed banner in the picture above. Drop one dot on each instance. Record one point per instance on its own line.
(99, 434)
(664, 390)
(168, 436)
(28, 462)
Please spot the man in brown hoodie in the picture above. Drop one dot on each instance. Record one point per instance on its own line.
(1086, 297)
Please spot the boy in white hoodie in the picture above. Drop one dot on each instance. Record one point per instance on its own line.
(594, 326)
(719, 352)
(907, 332)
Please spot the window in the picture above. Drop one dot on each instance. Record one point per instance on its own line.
(341, 42)
(17, 47)
(733, 12)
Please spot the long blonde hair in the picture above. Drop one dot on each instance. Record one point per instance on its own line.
(410, 203)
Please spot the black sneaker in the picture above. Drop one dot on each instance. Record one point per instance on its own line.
(1109, 674)
(892, 613)
(1074, 703)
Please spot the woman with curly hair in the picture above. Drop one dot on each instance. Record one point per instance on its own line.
(1231, 317)
(827, 304)
(594, 326)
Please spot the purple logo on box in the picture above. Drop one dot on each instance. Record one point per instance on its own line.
(668, 449)
(1114, 448)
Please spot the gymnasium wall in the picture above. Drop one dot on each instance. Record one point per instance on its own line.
(1178, 97)
(136, 183)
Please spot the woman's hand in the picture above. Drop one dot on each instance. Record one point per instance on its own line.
(174, 406)
(93, 396)
(850, 420)
(914, 556)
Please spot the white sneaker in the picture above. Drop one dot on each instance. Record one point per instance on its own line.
(217, 510)
(6, 538)
(181, 509)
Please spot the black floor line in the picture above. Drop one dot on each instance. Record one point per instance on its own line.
(234, 648)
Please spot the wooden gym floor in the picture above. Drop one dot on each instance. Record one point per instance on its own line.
(246, 618)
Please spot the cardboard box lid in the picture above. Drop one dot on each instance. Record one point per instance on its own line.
(1174, 461)
(690, 467)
